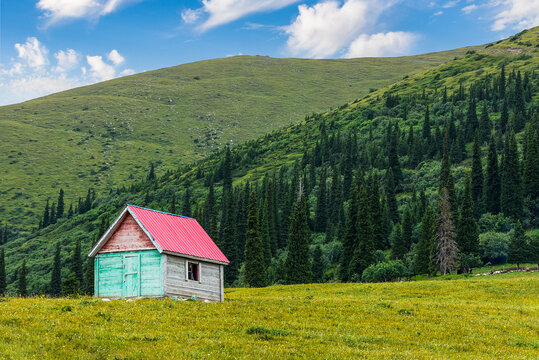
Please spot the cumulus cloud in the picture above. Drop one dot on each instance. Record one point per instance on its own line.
(31, 75)
(450, 4)
(115, 57)
(516, 14)
(381, 44)
(67, 60)
(324, 29)
(32, 52)
(55, 10)
(220, 12)
(438, 13)
(100, 69)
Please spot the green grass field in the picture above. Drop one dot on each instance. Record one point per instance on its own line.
(105, 135)
(494, 317)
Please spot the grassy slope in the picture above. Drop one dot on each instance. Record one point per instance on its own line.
(272, 151)
(104, 135)
(492, 317)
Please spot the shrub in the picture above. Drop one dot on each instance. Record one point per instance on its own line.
(468, 262)
(385, 271)
(493, 247)
(494, 223)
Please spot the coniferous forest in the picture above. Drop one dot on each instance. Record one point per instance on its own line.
(417, 179)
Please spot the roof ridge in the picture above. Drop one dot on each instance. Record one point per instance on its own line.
(162, 212)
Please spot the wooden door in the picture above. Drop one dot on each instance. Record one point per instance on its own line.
(131, 285)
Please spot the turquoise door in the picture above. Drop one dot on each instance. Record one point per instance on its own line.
(131, 286)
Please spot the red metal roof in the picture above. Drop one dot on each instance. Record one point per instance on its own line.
(179, 234)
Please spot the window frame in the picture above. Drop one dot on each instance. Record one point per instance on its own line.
(198, 267)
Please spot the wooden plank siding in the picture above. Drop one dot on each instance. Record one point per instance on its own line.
(129, 236)
(110, 274)
(176, 284)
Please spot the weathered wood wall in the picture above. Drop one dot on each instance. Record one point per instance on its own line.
(209, 287)
(128, 237)
(110, 271)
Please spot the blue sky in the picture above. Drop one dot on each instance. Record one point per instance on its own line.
(52, 45)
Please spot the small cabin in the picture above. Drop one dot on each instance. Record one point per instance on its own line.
(149, 253)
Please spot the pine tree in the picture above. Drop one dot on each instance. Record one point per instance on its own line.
(186, 206)
(424, 260)
(173, 203)
(151, 173)
(350, 237)
(320, 217)
(446, 246)
(56, 274)
(477, 177)
(446, 179)
(46, 216)
(76, 264)
(21, 284)
(531, 163)
(61, 205)
(255, 267)
(484, 125)
(318, 264)
(467, 231)
(363, 253)
(517, 251)
(492, 180)
(298, 263)
(2, 272)
(390, 194)
(511, 188)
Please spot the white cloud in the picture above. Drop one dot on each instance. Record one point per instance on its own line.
(55, 10)
(100, 69)
(30, 75)
(450, 4)
(222, 12)
(381, 44)
(327, 27)
(33, 52)
(67, 60)
(516, 14)
(468, 9)
(115, 57)
(438, 13)
(127, 72)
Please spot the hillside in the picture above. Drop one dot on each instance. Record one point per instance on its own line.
(105, 135)
(377, 154)
(482, 318)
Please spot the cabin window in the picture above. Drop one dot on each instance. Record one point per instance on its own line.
(193, 271)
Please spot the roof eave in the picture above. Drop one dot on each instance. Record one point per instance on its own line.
(195, 257)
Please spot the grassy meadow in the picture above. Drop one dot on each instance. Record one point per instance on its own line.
(492, 317)
(105, 135)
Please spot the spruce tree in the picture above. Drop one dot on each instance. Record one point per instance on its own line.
(264, 231)
(151, 173)
(61, 205)
(21, 284)
(391, 198)
(320, 215)
(186, 205)
(398, 250)
(477, 177)
(511, 186)
(70, 211)
(351, 234)
(424, 260)
(393, 159)
(472, 123)
(46, 216)
(467, 231)
(446, 246)
(504, 117)
(484, 125)
(446, 179)
(531, 163)
(52, 219)
(56, 274)
(2, 272)
(255, 267)
(318, 265)
(298, 263)
(89, 277)
(364, 252)
(426, 125)
(173, 203)
(76, 264)
(375, 212)
(492, 180)
(517, 252)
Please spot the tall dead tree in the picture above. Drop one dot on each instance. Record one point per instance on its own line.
(446, 246)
